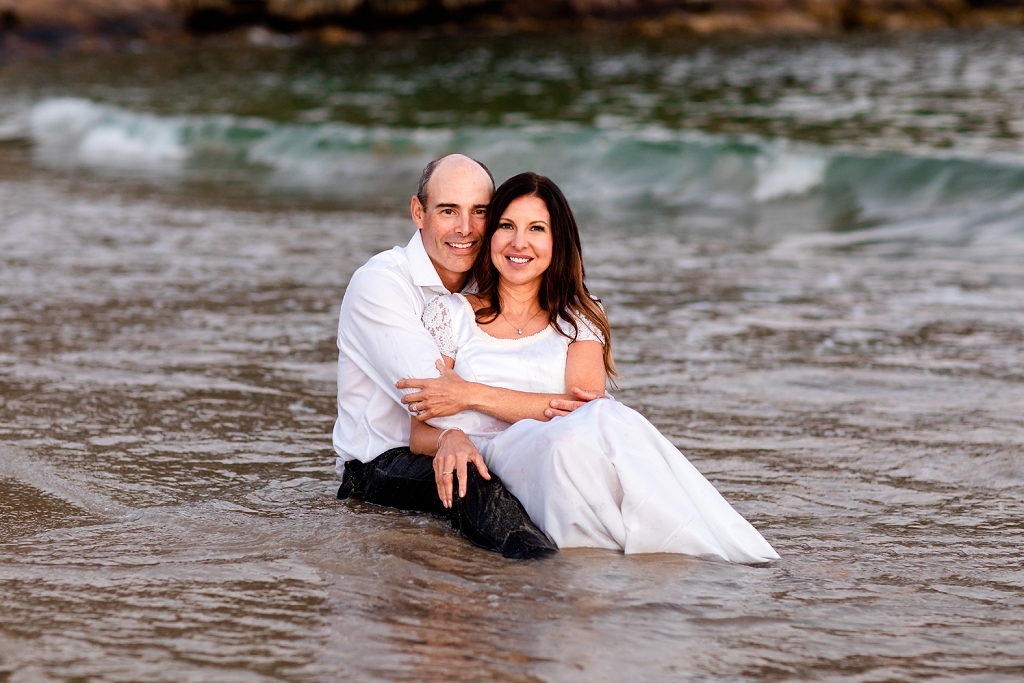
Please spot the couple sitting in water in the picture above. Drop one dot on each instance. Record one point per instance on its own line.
(515, 443)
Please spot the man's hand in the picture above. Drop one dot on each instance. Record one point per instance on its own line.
(561, 406)
(454, 453)
(439, 397)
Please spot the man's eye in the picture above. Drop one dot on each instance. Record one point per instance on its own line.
(447, 212)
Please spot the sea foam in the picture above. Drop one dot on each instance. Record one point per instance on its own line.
(788, 174)
(79, 131)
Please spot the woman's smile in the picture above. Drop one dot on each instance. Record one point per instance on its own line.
(522, 245)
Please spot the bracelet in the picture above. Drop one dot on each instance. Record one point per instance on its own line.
(441, 436)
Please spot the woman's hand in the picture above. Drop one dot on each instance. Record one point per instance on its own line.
(454, 453)
(441, 397)
(561, 407)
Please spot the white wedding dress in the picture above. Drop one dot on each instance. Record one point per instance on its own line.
(600, 477)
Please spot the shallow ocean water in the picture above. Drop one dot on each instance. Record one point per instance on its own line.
(811, 254)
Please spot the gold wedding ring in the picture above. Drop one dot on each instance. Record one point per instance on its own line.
(444, 473)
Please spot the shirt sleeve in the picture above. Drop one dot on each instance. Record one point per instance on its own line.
(586, 329)
(437, 320)
(379, 329)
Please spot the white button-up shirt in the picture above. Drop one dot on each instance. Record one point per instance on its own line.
(380, 341)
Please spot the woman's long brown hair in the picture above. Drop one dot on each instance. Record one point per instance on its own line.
(563, 291)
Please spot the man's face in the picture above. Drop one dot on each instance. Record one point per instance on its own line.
(455, 217)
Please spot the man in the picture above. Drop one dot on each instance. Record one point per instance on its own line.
(381, 341)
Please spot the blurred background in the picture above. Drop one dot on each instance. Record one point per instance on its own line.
(806, 220)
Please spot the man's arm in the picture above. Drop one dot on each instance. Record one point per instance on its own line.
(379, 328)
(381, 331)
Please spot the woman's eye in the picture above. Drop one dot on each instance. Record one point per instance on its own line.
(537, 228)
(505, 226)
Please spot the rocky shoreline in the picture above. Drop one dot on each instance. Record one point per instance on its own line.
(85, 23)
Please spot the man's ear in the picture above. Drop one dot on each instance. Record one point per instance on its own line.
(417, 210)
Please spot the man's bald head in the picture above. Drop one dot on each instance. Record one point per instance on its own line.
(450, 211)
(450, 162)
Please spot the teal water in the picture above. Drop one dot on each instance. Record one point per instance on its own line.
(811, 254)
(660, 127)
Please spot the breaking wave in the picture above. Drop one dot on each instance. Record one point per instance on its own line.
(616, 171)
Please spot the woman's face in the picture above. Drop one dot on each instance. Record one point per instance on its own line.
(521, 246)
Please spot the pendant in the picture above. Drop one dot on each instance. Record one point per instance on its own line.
(520, 331)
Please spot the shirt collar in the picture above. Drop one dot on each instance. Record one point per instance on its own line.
(422, 268)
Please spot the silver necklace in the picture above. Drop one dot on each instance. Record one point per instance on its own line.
(520, 328)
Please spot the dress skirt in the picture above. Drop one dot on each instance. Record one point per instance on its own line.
(605, 477)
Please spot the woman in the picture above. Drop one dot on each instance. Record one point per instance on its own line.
(602, 476)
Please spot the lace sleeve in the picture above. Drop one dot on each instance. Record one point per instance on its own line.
(585, 329)
(588, 331)
(438, 322)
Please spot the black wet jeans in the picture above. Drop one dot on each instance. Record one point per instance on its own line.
(489, 516)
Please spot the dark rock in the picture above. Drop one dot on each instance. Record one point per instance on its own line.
(340, 21)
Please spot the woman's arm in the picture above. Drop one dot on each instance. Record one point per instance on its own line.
(584, 370)
(449, 394)
(584, 367)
